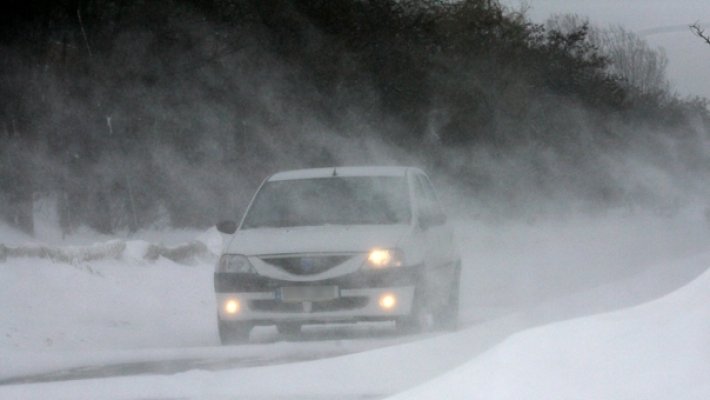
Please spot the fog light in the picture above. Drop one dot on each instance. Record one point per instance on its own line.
(388, 301)
(232, 306)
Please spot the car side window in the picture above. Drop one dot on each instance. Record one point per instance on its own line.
(427, 202)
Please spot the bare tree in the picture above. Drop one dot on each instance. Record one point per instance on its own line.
(630, 56)
(700, 32)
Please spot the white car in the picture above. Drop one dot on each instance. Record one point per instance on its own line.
(341, 244)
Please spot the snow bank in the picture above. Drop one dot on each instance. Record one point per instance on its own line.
(658, 350)
(84, 245)
(111, 295)
(102, 305)
(190, 252)
(69, 255)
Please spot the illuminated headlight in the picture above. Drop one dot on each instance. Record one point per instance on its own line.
(385, 258)
(232, 306)
(388, 301)
(234, 263)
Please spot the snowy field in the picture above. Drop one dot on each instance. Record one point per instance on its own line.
(613, 306)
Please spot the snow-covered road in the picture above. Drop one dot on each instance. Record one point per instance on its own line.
(110, 320)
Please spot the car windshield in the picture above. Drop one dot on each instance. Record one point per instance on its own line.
(325, 201)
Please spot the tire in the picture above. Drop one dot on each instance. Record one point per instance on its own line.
(419, 319)
(289, 328)
(233, 332)
(448, 318)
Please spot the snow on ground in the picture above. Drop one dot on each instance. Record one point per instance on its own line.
(658, 350)
(520, 279)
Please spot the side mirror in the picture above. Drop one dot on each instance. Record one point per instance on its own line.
(228, 227)
(427, 220)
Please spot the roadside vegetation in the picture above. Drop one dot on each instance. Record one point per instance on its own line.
(134, 113)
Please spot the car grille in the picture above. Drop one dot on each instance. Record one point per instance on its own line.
(340, 304)
(306, 265)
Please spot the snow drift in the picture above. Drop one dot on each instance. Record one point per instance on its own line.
(658, 350)
(114, 249)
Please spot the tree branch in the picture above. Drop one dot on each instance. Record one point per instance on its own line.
(83, 32)
(700, 32)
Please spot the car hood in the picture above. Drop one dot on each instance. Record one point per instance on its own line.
(314, 239)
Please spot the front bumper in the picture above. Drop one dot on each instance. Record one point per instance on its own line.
(358, 297)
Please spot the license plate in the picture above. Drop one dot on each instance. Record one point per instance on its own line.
(307, 293)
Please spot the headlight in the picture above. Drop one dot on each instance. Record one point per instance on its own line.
(234, 263)
(385, 258)
(232, 306)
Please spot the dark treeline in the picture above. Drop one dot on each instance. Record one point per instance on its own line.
(131, 112)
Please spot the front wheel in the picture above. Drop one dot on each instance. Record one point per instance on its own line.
(448, 318)
(233, 332)
(419, 319)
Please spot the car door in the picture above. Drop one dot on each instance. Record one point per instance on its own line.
(436, 237)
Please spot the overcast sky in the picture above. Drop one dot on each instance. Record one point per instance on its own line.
(689, 56)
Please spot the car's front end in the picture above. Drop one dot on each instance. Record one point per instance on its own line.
(265, 289)
(335, 245)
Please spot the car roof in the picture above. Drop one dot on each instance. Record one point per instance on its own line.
(329, 172)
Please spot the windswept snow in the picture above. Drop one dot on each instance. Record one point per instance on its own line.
(658, 350)
(543, 317)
